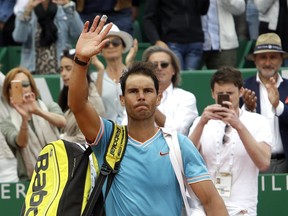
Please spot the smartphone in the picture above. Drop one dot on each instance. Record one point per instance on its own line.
(223, 97)
(17, 91)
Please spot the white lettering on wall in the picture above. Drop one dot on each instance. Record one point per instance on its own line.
(20, 190)
(5, 192)
(274, 188)
(262, 183)
(13, 191)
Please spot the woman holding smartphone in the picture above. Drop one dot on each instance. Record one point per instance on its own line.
(31, 124)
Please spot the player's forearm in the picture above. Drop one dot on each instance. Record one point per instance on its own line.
(78, 88)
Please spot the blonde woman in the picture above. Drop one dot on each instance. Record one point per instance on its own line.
(31, 124)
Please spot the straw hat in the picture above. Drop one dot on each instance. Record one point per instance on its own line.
(269, 42)
(126, 37)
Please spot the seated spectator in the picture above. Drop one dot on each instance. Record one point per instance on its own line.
(31, 124)
(71, 131)
(45, 29)
(4, 106)
(177, 109)
(8, 161)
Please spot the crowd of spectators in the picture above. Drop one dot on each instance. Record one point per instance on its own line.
(209, 38)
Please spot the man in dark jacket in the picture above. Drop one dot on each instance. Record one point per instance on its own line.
(268, 95)
(177, 25)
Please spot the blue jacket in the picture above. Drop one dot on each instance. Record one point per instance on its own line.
(68, 23)
(252, 84)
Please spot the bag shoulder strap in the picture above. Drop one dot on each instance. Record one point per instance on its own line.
(191, 202)
(111, 164)
(177, 163)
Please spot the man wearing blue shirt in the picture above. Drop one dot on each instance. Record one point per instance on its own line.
(146, 183)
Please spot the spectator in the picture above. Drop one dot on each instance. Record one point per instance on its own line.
(221, 41)
(173, 111)
(271, 92)
(31, 124)
(141, 163)
(8, 162)
(5, 109)
(45, 29)
(107, 80)
(177, 25)
(273, 17)
(71, 131)
(234, 143)
(7, 19)
(121, 12)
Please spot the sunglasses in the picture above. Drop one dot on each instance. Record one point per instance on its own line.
(115, 42)
(163, 65)
(227, 132)
(69, 52)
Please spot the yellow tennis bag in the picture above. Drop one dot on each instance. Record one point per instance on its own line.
(62, 180)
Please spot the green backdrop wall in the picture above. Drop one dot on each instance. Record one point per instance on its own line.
(197, 82)
(272, 199)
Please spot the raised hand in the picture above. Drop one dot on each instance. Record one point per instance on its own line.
(132, 53)
(212, 112)
(31, 4)
(273, 93)
(91, 41)
(28, 107)
(250, 99)
(97, 63)
(31, 103)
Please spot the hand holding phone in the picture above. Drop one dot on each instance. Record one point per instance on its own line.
(17, 91)
(223, 97)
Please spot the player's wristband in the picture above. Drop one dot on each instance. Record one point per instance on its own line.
(79, 62)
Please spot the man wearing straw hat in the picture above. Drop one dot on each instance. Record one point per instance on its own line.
(267, 94)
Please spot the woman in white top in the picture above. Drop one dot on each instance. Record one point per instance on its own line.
(107, 81)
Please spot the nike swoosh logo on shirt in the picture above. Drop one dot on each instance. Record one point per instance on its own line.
(163, 154)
